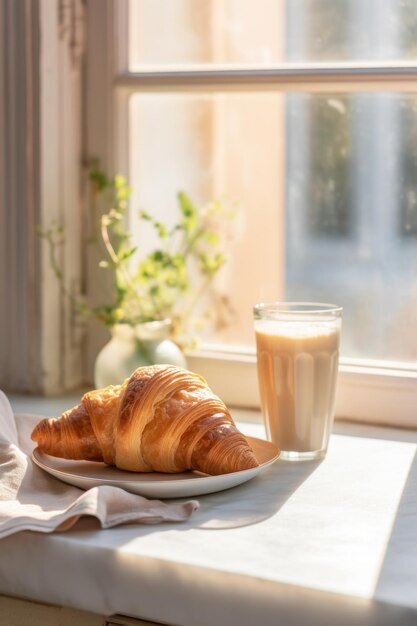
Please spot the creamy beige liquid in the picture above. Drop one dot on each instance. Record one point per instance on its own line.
(297, 371)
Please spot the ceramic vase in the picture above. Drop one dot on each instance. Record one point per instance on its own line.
(131, 347)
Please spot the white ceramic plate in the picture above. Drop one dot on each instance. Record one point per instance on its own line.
(86, 474)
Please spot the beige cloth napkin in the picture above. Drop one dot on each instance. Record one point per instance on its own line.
(31, 499)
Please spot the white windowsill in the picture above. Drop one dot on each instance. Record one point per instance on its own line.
(366, 392)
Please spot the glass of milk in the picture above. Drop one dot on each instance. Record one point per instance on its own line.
(297, 347)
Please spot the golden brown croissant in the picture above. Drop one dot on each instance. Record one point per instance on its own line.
(163, 418)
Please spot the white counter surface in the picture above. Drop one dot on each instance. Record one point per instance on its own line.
(331, 542)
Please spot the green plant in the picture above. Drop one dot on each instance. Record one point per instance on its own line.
(168, 281)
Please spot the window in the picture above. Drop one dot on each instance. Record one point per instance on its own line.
(305, 112)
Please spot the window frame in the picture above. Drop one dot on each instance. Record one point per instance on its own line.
(369, 391)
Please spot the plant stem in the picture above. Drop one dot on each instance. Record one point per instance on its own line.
(112, 253)
(107, 243)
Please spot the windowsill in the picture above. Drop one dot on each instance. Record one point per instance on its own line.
(318, 542)
(366, 393)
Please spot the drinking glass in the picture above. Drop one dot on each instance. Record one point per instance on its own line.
(297, 347)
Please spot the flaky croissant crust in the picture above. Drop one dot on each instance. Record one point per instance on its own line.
(163, 418)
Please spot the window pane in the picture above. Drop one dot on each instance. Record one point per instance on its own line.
(327, 191)
(217, 146)
(351, 210)
(265, 32)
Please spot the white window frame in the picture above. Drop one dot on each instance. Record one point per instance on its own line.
(368, 391)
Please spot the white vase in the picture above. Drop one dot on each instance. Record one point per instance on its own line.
(131, 347)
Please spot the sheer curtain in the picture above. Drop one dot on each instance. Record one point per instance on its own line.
(41, 49)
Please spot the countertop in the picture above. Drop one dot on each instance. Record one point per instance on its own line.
(332, 541)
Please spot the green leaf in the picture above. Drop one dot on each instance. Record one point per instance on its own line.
(123, 193)
(211, 237)
(120, 292)
(161, 230)
(99, 178)
(119, 181)
(178, 261)
(126, 254)
(211, 264)
(158, 255)
(189, 212)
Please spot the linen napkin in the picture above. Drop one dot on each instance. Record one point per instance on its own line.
(31, 499)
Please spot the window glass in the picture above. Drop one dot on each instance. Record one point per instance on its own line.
(326, 186)
(218, 146)
(352, 174)
(266, 32)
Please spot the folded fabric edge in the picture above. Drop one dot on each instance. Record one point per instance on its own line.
(53, 525)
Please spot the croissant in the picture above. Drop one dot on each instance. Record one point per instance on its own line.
(163, 419)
